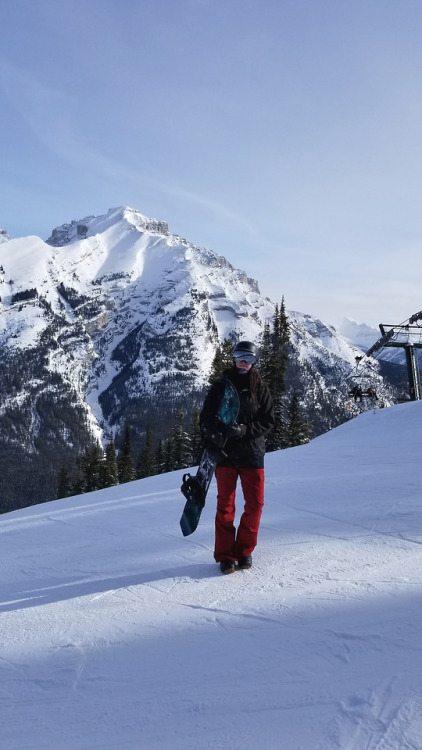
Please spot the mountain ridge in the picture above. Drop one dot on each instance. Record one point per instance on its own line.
(121, 318)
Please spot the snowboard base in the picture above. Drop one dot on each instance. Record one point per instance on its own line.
(195, 490)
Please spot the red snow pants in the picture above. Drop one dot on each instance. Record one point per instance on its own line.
(230, 545)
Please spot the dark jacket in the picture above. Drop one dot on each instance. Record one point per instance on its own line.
(256, 412)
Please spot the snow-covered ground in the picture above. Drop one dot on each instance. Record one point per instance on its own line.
(118, 633)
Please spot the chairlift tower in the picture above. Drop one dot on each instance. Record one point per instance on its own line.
(407, 336)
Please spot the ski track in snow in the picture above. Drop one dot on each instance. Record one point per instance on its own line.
(117, 632)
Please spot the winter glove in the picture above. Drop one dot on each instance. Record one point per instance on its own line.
(236, 430)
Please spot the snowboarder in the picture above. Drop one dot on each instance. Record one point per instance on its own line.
(195, 488)
(244, 458)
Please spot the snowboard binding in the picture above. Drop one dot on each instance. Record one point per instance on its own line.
(193, 491)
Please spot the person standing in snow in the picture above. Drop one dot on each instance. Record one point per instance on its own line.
(244, 457)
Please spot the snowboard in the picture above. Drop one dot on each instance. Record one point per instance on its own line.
(195, 488)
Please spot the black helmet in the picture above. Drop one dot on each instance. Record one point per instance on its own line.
(246, 346)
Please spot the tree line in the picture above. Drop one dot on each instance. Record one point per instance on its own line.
(99, 468)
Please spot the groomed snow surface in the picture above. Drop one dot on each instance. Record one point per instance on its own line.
(118, 633)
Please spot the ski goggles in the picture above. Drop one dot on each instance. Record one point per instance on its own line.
(247, 357)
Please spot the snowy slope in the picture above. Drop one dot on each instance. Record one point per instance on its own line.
(315, 340)
(120, 633)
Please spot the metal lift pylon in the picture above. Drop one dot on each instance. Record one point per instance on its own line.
(407, 336)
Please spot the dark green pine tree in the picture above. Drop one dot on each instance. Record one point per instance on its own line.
(64, 483)
(169, 459)
(146, 466)
(265, 354)
(223, 359)
(277, 439)
(216, 367)
(160, 461)
(181, 444)
(297, 430)
(110, 473)
(196, 444)
(160, 466)
(92, 463)
(78, 486)
(125, 459)
(280, 348)
(275, 347)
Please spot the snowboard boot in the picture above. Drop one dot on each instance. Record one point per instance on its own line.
(227, 566)
(245, 562)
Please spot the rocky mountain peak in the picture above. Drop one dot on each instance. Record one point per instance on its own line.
(81, 229)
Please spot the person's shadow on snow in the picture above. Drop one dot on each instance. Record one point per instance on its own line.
(22, 598)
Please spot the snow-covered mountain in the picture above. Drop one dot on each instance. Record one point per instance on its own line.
(127, 275)
(119, 633)
(114, 319)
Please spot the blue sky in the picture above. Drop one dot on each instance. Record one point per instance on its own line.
(282, 134)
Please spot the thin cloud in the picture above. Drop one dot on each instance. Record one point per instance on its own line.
(47, 113)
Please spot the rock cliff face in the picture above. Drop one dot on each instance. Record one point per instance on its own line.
(116, 320)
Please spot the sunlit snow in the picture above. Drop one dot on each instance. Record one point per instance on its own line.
(120, 634)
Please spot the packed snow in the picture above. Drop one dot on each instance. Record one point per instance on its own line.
(120, 634)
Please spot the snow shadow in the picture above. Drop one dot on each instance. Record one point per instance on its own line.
(19, 598)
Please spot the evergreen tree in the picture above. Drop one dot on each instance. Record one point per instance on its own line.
(125, 459)
(139, 468)
(169, 462)
(275, 347)
(91, 464)
(265, 354)
(279, 349)
(110, 474)
(196, 440)
(297, 431)
(223, 359)
(160, 463)
(181, 444)
(78, 486)
(216, 367)
(64, 485)
(146, 466)
(277, 438)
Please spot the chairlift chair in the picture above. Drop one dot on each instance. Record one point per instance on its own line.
(362, 385)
